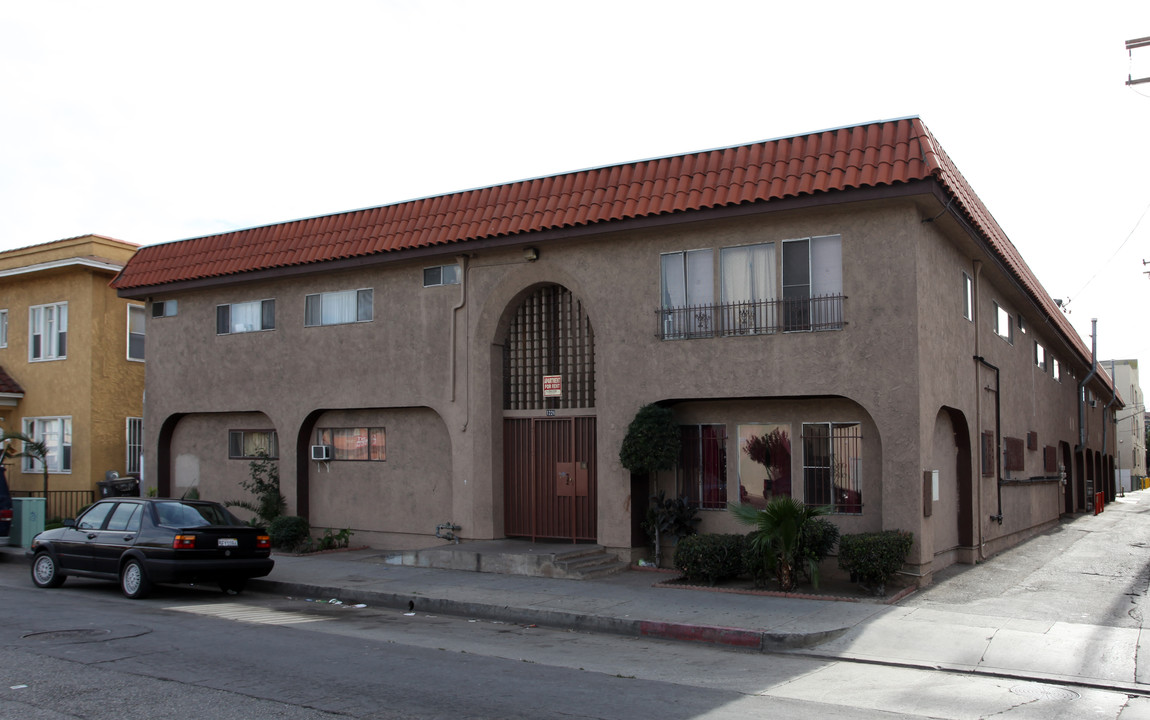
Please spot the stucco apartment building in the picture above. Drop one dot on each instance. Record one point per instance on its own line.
(475, 358)
(71, 365)
(1130, 424)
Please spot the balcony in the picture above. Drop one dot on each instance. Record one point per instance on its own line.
(760, 317)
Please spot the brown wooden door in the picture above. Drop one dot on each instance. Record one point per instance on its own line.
(549, 487)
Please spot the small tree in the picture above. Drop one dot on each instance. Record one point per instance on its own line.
(669, 517)
(264, 483)
(651, 445)
(652, 441)
(29, 448)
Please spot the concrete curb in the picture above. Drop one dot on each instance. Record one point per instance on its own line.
(758, 640)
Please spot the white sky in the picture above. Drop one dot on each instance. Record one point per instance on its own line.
(158, 121)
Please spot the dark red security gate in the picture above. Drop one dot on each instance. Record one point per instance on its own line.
(549, 478)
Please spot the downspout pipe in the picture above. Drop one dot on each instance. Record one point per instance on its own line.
(997, 433)
(1082, 386)
(1105, 424)
(462, 259)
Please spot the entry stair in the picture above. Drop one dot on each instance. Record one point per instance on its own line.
(516, 557)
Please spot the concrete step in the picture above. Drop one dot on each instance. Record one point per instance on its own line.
(575, 562)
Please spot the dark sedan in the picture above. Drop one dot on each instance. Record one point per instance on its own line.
(143, 541)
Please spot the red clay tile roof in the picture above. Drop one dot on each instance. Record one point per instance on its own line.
(8, 385)
(869, 155)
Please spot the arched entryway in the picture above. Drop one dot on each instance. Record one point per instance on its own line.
(952, 509)
(549, 434)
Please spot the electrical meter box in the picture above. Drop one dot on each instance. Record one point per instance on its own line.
(27, 520)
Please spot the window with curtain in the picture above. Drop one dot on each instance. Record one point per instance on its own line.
(359, 443)
(56, 434)
(703, 465)
(748, 292)
(338, 308)
(48, 332)
(688, 294)
(249, 444)
(246, 317)
(813, 283)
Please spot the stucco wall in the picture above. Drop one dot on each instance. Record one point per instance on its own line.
(904, 353)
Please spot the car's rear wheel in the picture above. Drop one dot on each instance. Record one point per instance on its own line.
(233, 586)
(134, 581)
(45, 571)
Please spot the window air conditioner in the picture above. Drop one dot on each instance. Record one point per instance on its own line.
(321, 452)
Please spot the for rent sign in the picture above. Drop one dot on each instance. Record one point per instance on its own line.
(552, 386)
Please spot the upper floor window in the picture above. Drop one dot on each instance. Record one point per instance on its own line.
(688, 288)
(748, 279)
(135, 332)
(251, 444)
(245, 317)
(3, 328)
(338, 308)
(164, 308)
(48, 332)
(967, 297)
(56, 434)
(1055, 370)
(1003, 325)
(441, 275)
(1039, 356)
(812, 283)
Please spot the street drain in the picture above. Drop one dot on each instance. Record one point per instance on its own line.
(80, 634)
(1038, 691)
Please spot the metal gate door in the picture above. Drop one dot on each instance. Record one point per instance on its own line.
(549, 478)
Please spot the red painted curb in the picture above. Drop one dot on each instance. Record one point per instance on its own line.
(735, 637)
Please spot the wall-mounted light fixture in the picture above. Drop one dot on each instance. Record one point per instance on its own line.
(530, 254)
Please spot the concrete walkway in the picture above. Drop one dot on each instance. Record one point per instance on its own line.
(1064, 607)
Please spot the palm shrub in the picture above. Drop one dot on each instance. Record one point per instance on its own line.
(30, 447)
(777, 536)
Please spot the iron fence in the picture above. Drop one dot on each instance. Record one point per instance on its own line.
(61, 504)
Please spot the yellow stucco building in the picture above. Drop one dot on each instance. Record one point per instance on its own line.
(71, 366)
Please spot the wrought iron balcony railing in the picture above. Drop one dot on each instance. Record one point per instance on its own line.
(759, 317)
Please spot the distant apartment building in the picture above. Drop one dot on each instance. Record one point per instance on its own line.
(71, 364)
(1129, 424)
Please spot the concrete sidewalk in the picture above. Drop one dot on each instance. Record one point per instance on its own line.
(1063, 607)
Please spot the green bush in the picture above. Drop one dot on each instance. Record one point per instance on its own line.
(289, 532)
(817, 539)
(874, 557)
(709, 557)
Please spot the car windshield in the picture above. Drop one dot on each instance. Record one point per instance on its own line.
(186, 514)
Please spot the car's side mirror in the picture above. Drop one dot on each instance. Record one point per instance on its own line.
(70, 522)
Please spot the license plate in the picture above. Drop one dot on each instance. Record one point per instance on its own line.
(228, 542)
